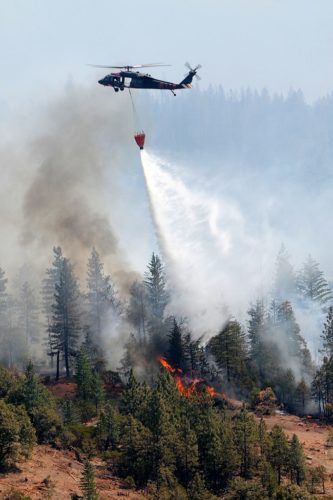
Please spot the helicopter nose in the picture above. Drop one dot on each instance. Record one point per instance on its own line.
(101, 81)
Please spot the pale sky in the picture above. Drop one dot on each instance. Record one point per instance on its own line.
(276, 44)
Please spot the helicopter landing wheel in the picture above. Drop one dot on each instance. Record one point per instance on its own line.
(122, 88)
(116, 89)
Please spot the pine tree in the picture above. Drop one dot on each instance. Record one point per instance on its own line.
(3, 300)
(28, 311)
(137, 313)
(108, 428)
(246, 438)
(65, 328)
(303, 395)
(98, 393)
(49, 283)
(155, 283)
(229, 350)
(4, 330)
(138, 455)
(193, 353)
(279, 451)
(176, 353)
(327, 334)
(285, 281)
(256, 329)
(135, 399)
(88, 482)
(289, 331)
(187, 452)
(101, 297)
(84, 376)
(311, 283)
(296, 462)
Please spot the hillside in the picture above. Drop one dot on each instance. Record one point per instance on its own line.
(55, 474)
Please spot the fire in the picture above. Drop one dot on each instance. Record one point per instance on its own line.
(167, 366)
(186, 385)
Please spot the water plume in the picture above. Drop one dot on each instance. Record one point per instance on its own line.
(199, 237)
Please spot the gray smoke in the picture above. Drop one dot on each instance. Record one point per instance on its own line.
(63, 183)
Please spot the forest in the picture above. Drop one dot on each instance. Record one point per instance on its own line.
(169, 428)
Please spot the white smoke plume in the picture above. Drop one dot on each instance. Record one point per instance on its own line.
(203, 240)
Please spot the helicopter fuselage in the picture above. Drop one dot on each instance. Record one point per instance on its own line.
(139, 80)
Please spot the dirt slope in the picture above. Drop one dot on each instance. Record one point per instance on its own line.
(54, 474)
(313, 436)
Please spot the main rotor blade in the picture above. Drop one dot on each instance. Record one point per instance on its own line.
(148, 65)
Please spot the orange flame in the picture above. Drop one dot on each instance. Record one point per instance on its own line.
(168, 367)
(188, 388)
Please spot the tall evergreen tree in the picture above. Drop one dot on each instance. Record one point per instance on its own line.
(246, 435)
(137, 313)
(289, 331)
(229, 350)
(88, 484)
(284, 287)
(311, 283)
(296, 462)
(101, 295)
(66, 328)
(155, 283)
(28, 314)
(327, 334)
(176, 353)
(279, 451)
(3, 311)
(3, 298)
(49, 283)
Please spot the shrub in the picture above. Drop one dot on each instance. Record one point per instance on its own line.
(14, 494)
(7, 382)
(264, 402)
(17, 436)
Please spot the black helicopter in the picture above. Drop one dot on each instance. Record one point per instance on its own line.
(139, 80)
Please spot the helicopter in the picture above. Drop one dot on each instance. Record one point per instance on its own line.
(139, 80)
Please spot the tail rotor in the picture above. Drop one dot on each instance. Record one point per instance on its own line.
(194, 70)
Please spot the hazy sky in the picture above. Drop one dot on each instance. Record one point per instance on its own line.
(273, 43)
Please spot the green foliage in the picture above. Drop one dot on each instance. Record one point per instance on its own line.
(14, 494)
(108, 428)
(135, 399)
(264, 401)
(197, 489)
(39, 404)
(155, 284)
(8, 382)
(65, 326)
(293, 492)
(246, 438)
(176, 353)
(240, 489)
(88, 482)
(137, 443)
(317, 477)
(311, 283)
(129, 483)
(296, 463)
(17, 436)
(279, 451)
(285, 280)
(229, 350)
(90, 388)
(327, 334)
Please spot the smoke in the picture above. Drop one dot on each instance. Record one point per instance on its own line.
(64, 181)
(203, 240)
(218, 259)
